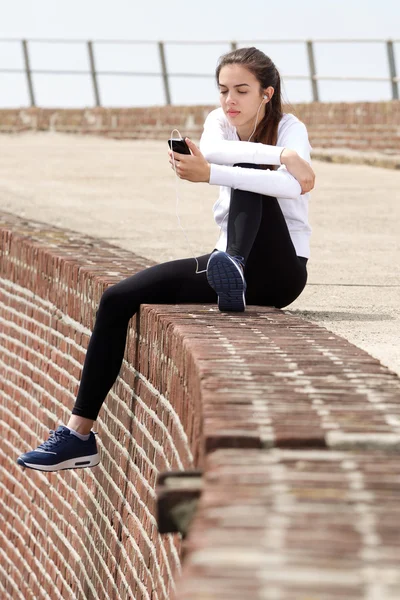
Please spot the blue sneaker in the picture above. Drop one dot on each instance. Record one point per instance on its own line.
(63, 450)
(225, 276)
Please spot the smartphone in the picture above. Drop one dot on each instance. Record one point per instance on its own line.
(179, 145)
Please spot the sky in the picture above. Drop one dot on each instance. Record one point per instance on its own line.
(265, 24)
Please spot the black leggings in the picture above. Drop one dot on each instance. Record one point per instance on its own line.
(275, 276)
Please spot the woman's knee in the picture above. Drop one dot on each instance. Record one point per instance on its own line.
(287, 296)
(112, 304)
(109, 298)
(274, 290)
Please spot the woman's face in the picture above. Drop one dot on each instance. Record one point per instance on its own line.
(240, 96)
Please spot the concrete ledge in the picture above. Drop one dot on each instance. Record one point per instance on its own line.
(339, 132)
(227, 394)
(346, 156)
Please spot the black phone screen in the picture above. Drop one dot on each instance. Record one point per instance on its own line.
(179, 145)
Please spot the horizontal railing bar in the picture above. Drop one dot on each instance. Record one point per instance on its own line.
(319, 41)
(78, 41)
(194, 75)
(361, 41)
(175, 42)
(45, 40)
(272, 41)
(204, 42)
(47, 72)
(344, 78)
(127, 73)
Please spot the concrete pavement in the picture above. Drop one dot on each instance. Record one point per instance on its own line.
(125, 192)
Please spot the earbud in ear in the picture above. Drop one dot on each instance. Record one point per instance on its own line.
(265, 97)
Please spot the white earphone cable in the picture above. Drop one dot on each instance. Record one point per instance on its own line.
(255, 124)
(177, 209)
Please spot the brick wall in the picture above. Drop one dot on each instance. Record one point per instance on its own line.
(358, 126)
(92, 533)
(297, 432)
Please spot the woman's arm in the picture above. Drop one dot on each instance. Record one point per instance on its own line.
(269, 183)
(292, 155)
(196, 168)
(218, 150)
(299, 168)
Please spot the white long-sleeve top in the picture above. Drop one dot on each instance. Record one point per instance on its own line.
(221, 147)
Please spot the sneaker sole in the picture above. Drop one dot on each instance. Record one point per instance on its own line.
(72, 463)
(225, 277)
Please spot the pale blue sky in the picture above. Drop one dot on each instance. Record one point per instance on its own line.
(206, 20)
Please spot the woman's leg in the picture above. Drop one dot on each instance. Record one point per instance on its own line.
(245, 213)
(225, 270)
(259, 238)
(169, 283)
(275, 275)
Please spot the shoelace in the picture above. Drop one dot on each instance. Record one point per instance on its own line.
(239, 260)
(56, 437)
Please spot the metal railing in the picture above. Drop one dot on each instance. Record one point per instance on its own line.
(312, 75)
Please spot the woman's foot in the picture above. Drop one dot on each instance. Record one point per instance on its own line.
(225, 276)
(63, 450)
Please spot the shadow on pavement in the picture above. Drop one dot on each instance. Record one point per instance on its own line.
(337, 315)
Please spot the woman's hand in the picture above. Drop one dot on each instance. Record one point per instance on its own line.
(299, 168)
(193, 167)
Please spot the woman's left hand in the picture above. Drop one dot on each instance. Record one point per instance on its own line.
(299, 168)
(193, 167)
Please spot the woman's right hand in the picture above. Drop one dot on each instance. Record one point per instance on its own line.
(299, 168)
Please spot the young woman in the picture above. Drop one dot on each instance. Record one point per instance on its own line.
(260, 158)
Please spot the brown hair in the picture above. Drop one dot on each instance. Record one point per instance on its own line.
(267, 75)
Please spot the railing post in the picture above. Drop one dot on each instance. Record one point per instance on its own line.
(28, 72)
(93, 73)
(311, 63)
(164, 72)
(233, 46)
(392, 70)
